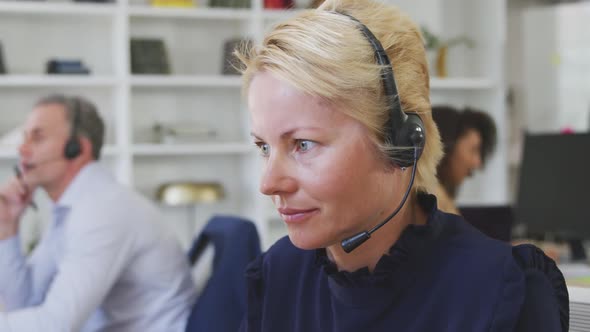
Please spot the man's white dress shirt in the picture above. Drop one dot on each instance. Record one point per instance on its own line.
(106, 264)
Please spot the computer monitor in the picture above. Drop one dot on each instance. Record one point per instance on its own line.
(554, 186)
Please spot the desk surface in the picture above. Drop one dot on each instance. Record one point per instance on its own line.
(577, 278)
(579, 294)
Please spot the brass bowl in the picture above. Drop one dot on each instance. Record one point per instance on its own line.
(186, 193)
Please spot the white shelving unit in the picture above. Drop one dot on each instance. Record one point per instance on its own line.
(9, 153)
(193, 149)
(24, 81)
(458, 84)
(52, 8)
(198, 13)
(202, 81)
(197, 93)
(556, 72)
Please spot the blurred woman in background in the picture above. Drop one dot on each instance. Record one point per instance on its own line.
(469, 139)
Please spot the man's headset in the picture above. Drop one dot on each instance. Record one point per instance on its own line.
(403, 130)
(73, 147)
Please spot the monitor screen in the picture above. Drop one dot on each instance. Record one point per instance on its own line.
(553, 192)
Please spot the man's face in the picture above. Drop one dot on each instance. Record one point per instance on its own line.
(46, 132)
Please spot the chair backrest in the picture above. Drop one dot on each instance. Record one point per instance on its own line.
(222, 303)
(494, 221)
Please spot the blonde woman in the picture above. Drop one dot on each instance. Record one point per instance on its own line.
(350, 152)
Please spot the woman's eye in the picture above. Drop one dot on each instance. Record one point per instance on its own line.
(305, 145)
(264, 148)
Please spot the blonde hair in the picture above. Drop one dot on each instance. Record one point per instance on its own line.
(325, 54)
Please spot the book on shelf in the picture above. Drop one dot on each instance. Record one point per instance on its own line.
(173, 3)
(63, 66)
(278, 4)
(230, 3)
(2, 67)
(149, 56)
(95, 1)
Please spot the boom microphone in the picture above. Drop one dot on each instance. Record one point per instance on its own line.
(351, 243)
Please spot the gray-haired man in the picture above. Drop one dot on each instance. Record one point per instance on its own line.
(105, 263)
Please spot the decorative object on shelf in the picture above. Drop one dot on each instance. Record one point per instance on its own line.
(149, 56)
(63, 66)
(189, 193)
(181, 133)
(2, 67)
(230, 63)
(173, 3)
(440, 48)
(230, 3)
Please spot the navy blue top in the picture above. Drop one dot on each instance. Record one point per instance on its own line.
(442, 276)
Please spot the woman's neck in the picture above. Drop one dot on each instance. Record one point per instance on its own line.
(370, 252)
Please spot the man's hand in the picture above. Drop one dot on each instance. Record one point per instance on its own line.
(14, 198)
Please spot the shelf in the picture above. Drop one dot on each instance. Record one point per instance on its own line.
(235, 81)
(460, 83)
(280, 14)
(10, 152)
(200, 13)
(213, 81)
(56, 81)
(192, 149)
(65, 8)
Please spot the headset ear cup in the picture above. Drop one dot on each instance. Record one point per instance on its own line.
(72, 149)
(412, 134)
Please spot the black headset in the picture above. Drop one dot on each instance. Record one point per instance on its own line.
(73, 147)
(404, 129)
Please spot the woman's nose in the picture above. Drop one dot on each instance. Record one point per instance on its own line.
(277, 178)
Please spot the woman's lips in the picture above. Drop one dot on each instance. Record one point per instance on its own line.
(291, 215)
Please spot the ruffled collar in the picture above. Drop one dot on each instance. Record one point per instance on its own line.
(394, 271)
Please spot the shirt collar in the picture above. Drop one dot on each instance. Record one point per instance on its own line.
(80, 184)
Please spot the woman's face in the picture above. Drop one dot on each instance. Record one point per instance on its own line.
(323, 173)
(466, 156)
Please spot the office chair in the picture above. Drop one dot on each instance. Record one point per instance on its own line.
(222, 303)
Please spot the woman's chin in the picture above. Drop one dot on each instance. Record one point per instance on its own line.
(306, 241)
